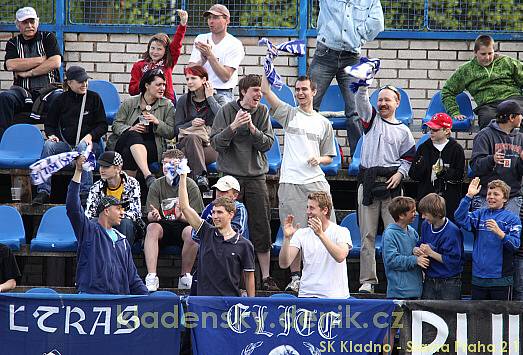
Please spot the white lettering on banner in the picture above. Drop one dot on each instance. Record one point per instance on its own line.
(461, 333)
(106, 324)
(287, 319)
(326, 322)
(12, 313)
(259, 318)
(125, 322)
(303, 322)
(49, 311)
(418, 317)
(76, 324)
(513, 334)
(236, 316)
(497, 333)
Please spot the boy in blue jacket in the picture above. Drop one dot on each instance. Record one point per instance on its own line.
(402, 268)
(105, 263)
(442, 242)
(497, 232)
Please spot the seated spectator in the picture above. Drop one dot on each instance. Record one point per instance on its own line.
(9, 271)
(65, 129)
(193, 121)
(402, 268)
(34, 58)
(441, 241)
(324, 246)
(225, 256)
(105, 263)
(167, 226)
(162, 54)
(439, 164)
(114, 182)
(142, 125)
(496, 238)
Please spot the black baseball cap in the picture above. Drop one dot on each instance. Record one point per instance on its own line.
(76, 73)
(108, 201)
(110, 158)
(509, 107)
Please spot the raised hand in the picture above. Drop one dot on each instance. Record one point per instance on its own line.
(289, 228)
(184, 16)
(474, 187)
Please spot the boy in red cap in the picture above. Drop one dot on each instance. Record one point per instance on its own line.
(439, 164)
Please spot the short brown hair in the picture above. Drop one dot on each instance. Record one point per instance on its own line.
(400, 205)
(313, 84)
(225, 202)
(248, 81)
(173, 154)
(483, 41)
(433, 204)
(502, 185)
(324, 200)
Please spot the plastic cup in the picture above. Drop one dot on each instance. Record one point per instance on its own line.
(16, 193)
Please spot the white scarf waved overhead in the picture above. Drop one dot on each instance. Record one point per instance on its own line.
(296, 47)
(175, 170)
(365, 71)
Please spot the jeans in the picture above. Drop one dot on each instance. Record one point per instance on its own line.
(517, 291)
(52, 148)
(513, 205)
(442, 289)
(498, 293)
(327, 64)
(226, 93)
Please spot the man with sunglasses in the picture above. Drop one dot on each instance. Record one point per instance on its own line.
(386, 155)
(34, 58)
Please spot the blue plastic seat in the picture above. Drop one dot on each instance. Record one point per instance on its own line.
(44, 290)
(354, 166)
(12, 233)
(465, 108)
(351, 223)
(109, 95)
(332, 168)
(276, 246)
(468, 243)
(55, 232)
(404, 112)
(422, 140)
(286, 95)
(282, 295)
(333, 102)
(15, 152)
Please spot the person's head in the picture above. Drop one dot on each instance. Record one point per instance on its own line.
(195, 77)
(111, 210)
(509, 111)
(171, 156)
(227, 186)
(223, 211)
(218, 18)
(27, 22)
(440, 126)
(158, 49)
(152, 83)
(319, 204)
(76, 79)
(403, 209)
(484, 50)
(432, 207)
(249, 88)
(388, 101)
(498, 193)
(110, 163)
(304, 90)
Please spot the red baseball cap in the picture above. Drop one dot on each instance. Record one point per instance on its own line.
(440, 120)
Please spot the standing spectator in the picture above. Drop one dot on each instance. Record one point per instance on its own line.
(65, 130)
(441, 241)
(497, 153)
(489, 78)
(219, 52)
(105, 263)
(34, 58)
(9, 271)
(114, 182)
(496, 238)
(309, 142)
(439, 164)
(193, 121)
(162, 54)
(167, 226)
(386, 155)
(142, 125)
(324, 247)
(242, 134)
(343, 28)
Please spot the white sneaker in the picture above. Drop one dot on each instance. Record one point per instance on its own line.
(152, 282)
(366, 288)
(294, 285)
(185, 282)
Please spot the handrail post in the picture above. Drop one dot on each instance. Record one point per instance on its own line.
(59, 24)
(303, 24)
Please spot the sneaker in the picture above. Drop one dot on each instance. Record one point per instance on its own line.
(294, 285)
(268, 284)
(185, 282)
(366, 288)
(203, 183)
(152, 282)
(149, 180)
(41, 198)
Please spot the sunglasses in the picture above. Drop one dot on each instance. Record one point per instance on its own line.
(393, 89)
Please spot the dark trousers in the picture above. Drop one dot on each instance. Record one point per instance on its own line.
(11, 103)
(498, 293)
(487, 112)
(198, 155)
(442, 289)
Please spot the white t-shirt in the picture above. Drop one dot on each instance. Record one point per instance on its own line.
(322, 276)
(306, 135)
(229, 52)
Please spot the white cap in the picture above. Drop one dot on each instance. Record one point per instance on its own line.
(226, 183)
(24, 13)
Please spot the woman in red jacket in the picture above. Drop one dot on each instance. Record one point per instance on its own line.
(161, 53)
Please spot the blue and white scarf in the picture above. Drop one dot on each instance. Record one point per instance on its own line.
(364, 71)
(296, 47)
(173, 171)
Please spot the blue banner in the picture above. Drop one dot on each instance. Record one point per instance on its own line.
(89, 324)
(273, 325)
